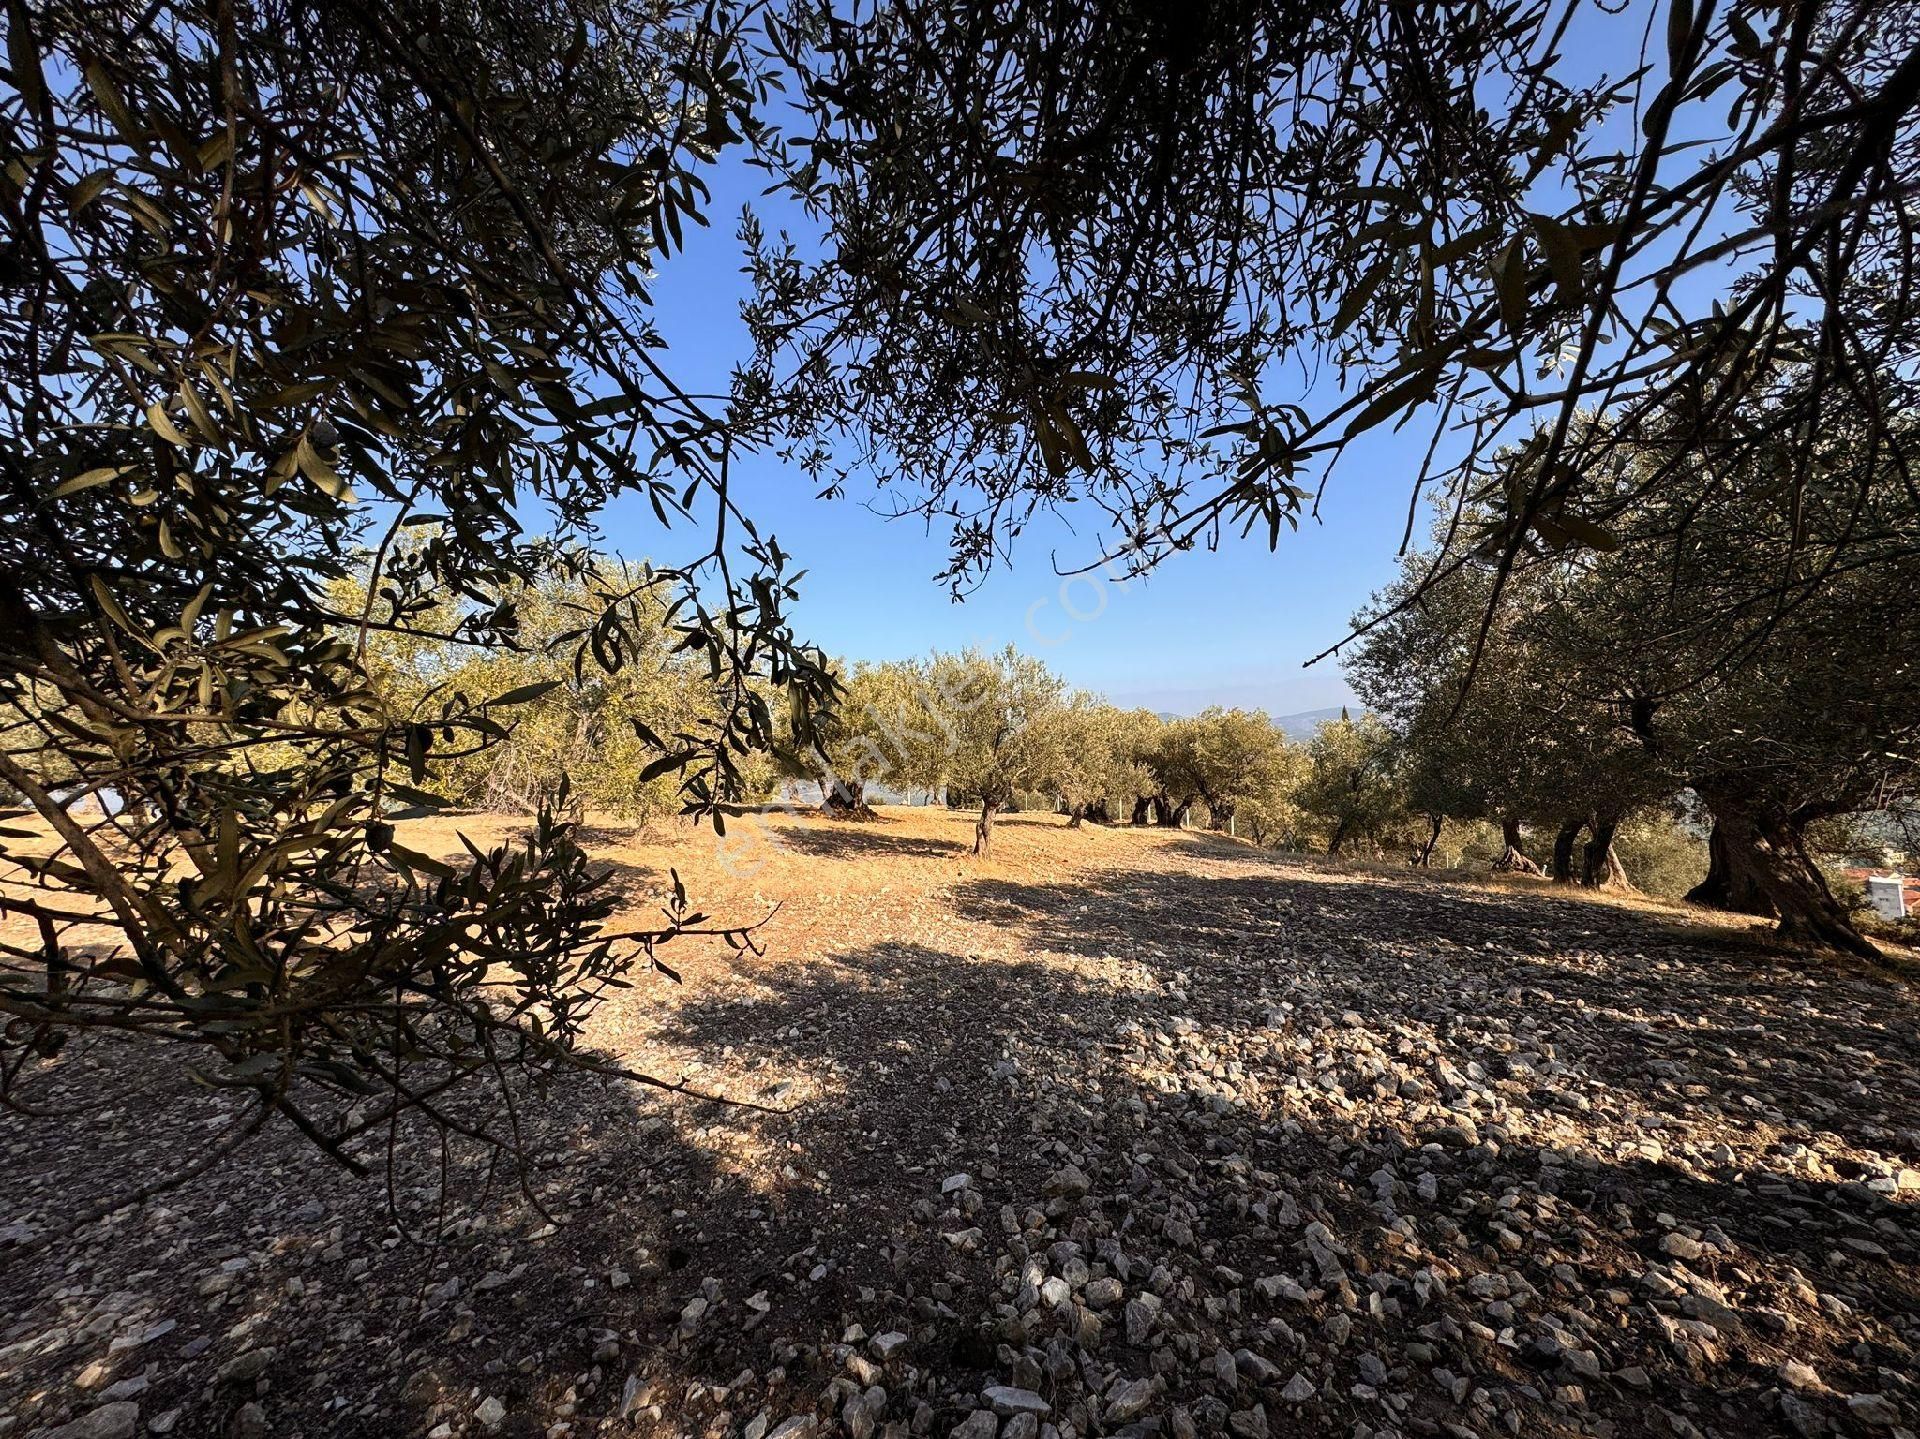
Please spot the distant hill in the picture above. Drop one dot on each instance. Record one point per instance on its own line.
(1301, 726)
(1297, 727)
(1280, 693)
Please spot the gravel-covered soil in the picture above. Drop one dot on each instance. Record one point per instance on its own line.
(1119, 1133)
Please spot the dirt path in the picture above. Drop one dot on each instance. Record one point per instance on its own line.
(1123, 1132)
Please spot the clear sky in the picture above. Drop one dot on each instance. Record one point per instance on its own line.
(1231, 627)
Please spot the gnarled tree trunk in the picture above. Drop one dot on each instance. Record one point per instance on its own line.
(1143, 809)
(1600, 867)
(1423, 854)
(983, 828)
(1610, 873)
(1729, 885)
(1563, 850)
(1169, 815)
(1513, 859)
(1769, 851)
(845, 798)
(1339, 836)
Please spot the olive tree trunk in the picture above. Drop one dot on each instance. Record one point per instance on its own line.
(1513, 859)
(1729, 885)
(1169, 815)
(1423, 853)
(845, 798)
(983, 827)
(1339, 836)
(1562, 868)
(1769, 852)
(1600, 867)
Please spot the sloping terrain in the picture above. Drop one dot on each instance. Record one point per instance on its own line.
(1121, 1132)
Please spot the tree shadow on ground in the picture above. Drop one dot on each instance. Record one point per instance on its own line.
(965, 1088)
(708, 1263)
(1687, 924)
(1641, 1006)
(551, 1287)
(862, 839)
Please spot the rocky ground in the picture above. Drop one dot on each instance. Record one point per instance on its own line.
(1121, 1133)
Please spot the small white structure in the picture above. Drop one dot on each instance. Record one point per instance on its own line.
(1888, 895)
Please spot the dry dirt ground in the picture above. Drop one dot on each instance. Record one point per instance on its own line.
(1118, 1133)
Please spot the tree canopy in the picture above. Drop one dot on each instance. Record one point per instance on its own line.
(1733, 642)
(1088, 253)
(1002, 718)
(298, 294)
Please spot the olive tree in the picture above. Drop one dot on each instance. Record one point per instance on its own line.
(1531, 737)
(298, 293)
(1225, 757)
(1075, 253)
(1095, 773)
(576, 729)
(1731, 640)
(1127, 746)
(1352, 787)
(1002, 717)
(1744, 633)
(882, 730)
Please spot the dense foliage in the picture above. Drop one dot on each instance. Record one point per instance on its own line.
(298, 294)
(1734, 643)
(995, 730)
(583, 737)
(1171, 261)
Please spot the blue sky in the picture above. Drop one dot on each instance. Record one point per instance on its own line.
(1231, 627)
